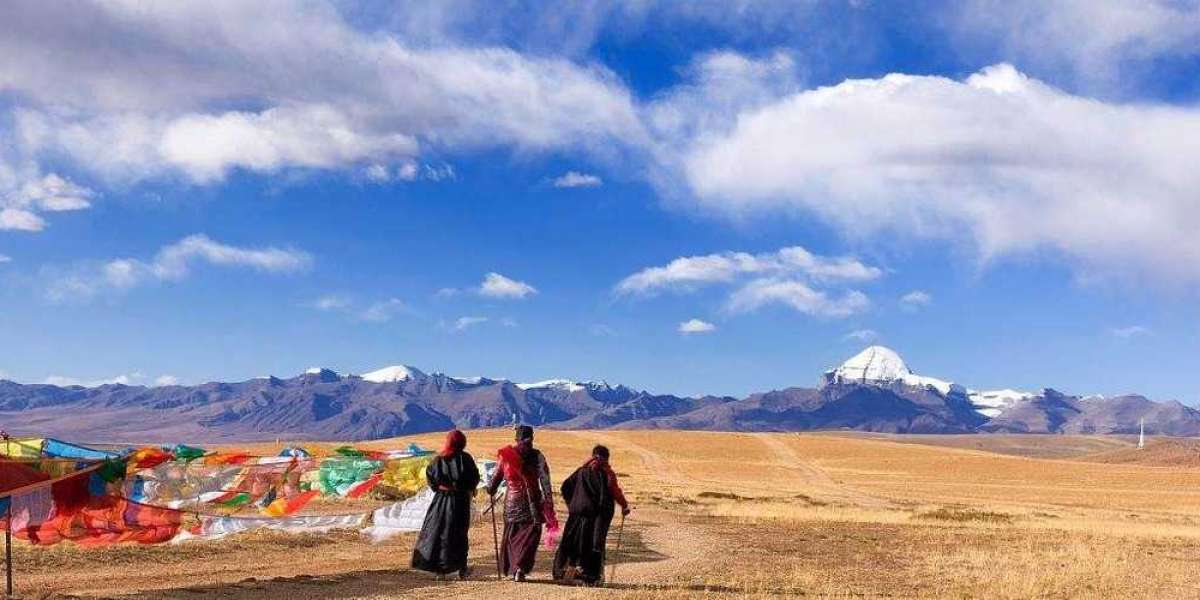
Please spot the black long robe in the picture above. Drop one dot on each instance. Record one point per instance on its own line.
(590, 506)
(442, 546)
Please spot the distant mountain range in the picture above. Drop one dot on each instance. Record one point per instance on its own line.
(873, 391)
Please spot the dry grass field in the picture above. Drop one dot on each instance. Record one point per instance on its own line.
(725, 515)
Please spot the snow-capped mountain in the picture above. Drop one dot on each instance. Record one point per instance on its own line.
(875, 390)
(393, 373)
(880, 365)
(993, 402)
(561, 384)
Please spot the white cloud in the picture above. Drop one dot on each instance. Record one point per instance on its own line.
(1103, 45)
(509, 322)
(861, 335)
(573, 179)
(796, 295)
(602, 330)
(163, 380)
(696, 326)
(998, 161)
(464, 323)
(384, 311)
(331, 302)
(24, 195)
(310, 92)
(171, 263)
(20, 220)
(174, 261)
(124, 379)
(789, 276)
(4, 258)
(1130, 331)
(689, 272)
(54, 193)
(495, 285)
(915, 300)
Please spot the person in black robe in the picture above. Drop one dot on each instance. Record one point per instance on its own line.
(527, 500)
(591, 494)
(453, 477)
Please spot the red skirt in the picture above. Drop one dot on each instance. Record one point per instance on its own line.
(518, 549)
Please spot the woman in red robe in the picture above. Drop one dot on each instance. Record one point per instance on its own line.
(523, 468)
(591, 494)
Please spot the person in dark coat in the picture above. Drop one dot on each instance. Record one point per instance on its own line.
(526, 501)
(591, 494)
(453, 477)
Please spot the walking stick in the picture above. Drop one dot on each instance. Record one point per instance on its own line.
(496, 540)
(612, 571)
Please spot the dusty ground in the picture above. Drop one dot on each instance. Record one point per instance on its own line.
(724, 515)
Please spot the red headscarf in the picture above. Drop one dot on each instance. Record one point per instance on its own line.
(455, 442)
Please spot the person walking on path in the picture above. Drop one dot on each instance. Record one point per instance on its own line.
(528, 499)
(591, 494)
(453, 476)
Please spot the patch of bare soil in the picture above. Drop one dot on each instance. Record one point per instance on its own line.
(1165, 452)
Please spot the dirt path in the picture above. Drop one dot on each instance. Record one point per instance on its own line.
(813, 478)
(662, 551)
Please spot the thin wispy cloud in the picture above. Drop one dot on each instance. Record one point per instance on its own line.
(687, 273)
(331, 302)
(173, 262)
(124, 379)
(602, 330)
(861, 336)
(19, 219)
(21, 206)
(915, 300)
(1131, 331)
(798, 296)
(791, 277)
(384, 310)
(465, 323)
(4, 258)
(575, 179)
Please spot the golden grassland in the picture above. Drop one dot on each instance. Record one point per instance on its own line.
(733, 515)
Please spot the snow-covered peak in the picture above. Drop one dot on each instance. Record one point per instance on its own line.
(991, 403)
(881, 365)
(322, 374)
(393, 373)
(876, 363)
(562, 384)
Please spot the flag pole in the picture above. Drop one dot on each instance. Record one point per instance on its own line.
(8, 585)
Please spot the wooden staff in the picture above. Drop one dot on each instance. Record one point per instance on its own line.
(496, 540)
(612, 571)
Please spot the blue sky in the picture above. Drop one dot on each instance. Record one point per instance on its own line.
(683, 197)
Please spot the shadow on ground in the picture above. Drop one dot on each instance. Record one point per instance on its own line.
(354, 584)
